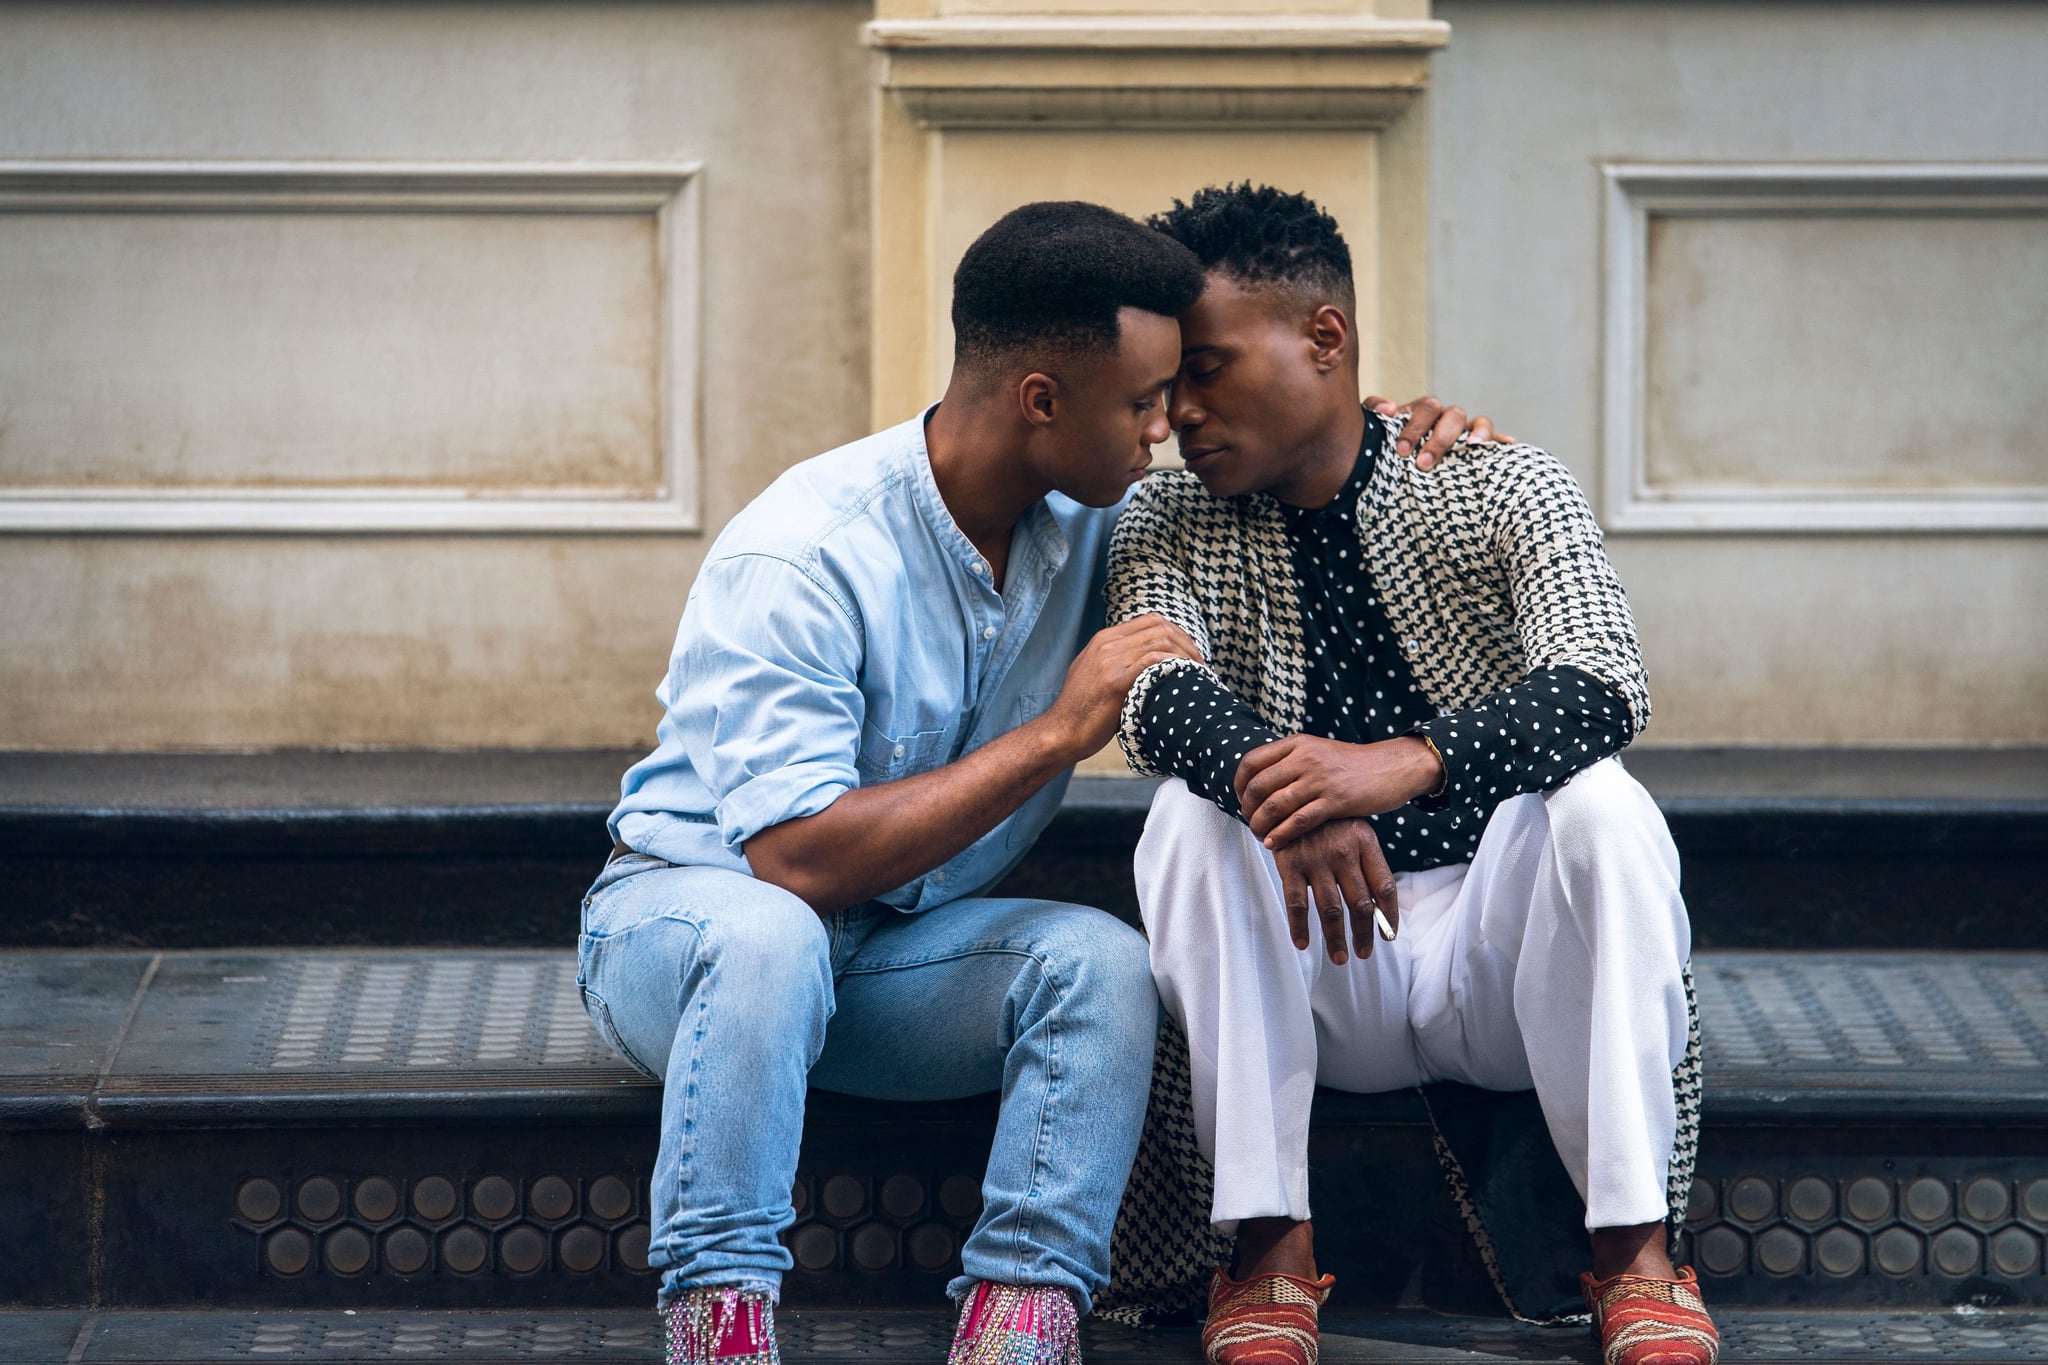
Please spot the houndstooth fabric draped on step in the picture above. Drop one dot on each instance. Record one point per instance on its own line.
(1164, 1247)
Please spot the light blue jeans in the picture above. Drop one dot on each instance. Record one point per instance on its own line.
(736, 995)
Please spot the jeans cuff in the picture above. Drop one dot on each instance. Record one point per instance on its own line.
(674, 1286)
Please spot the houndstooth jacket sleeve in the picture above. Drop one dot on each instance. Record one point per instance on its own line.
(1150, 572)
(1569, 607)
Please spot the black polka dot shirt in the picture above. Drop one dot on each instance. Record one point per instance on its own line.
(1526, 738)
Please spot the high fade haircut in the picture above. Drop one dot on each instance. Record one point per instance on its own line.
(1046, 281)
(1262, 236)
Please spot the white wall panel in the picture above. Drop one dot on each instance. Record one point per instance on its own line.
(241, 346)
(1845, 299)
(1829, 530)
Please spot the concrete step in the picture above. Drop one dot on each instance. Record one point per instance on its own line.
(815, 1337)
(441, 1128)
(1798, 849)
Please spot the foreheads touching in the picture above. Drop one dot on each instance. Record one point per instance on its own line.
(1046, 285)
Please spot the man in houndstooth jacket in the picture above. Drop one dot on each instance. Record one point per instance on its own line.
(1395, 845)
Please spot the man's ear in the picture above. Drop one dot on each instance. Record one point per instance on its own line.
(1329, 333)
(1037, 396)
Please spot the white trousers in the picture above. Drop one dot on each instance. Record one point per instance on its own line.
(1553, 960)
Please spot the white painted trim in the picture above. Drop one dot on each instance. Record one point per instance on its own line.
(1635, 191)
(666, 191)
(1158, 32)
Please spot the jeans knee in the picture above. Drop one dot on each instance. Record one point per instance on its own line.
(1123, 971)
(1123, 961)
(1104, 963)
(771, 937)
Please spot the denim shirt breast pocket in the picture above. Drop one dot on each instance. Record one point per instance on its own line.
(1032, 705)
(885, 758)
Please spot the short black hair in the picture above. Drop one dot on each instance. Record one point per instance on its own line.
(1048, 278)
(1260, 235)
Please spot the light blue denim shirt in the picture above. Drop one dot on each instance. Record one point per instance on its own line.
(844, 632)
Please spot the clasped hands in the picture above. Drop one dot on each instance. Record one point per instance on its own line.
(1306, 799)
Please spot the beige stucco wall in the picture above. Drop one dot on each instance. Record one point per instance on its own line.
(1818, 352)
(758, 118)
(444, 638)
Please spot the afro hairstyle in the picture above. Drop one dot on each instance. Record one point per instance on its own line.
(1046, 281)
(1262, 236)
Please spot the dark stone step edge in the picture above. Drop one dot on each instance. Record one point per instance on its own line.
(1698, 825)
(129, 1105)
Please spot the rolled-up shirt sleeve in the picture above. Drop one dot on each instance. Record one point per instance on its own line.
(763, 688)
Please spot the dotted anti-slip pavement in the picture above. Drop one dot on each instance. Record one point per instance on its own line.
(438, 1016)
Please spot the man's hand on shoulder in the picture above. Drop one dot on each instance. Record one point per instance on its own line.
(1091, 701)
(1437, 427)
(1295, 785)
(1341, 866)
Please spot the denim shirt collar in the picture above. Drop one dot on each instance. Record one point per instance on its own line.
(1039, 524)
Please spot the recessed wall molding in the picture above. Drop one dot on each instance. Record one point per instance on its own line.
(665, 193)
(1642, 199)
(1168, 71)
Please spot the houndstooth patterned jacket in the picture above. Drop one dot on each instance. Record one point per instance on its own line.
(1490, 566)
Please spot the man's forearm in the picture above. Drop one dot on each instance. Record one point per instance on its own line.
(875, 839)
(1196, 729)
(1529, 737)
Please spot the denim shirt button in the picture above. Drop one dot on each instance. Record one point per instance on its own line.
(988, 632)
(939, 877)
(899, 751)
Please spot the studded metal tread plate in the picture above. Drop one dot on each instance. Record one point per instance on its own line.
(244, 1071)
(282, 1036)
(918, 1338)
(1948, 1035)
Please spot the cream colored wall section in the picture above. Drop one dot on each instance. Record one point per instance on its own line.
(1865, 286)
(472, 363)
(1131, 105)
(1770, 278)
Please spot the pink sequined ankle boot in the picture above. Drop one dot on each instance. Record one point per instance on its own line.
(1010, 1324)
(720, 1325)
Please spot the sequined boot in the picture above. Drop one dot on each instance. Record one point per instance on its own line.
(1010, 1324)
(720, 1324)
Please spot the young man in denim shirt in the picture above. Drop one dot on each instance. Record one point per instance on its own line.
(871, 711)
